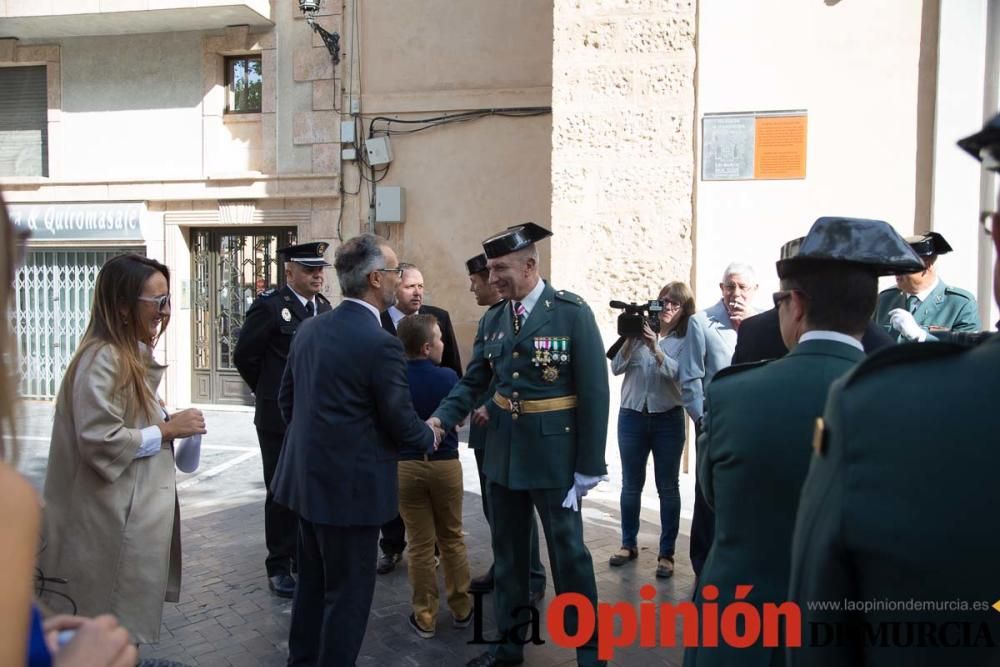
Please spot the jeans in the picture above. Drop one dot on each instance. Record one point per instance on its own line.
(661, 433)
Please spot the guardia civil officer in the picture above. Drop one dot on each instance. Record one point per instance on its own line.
(260, 355)
(753, 453)
(546, 433)
(921, 304)
(487, 295)
(900, 505)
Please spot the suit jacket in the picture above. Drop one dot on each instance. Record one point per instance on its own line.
(345, 397)
(759, 338)
(112, 522)
(538, 450)
(946, 308)
(450, 358)
(262, 348)
(753, 455)
(892, 504)
(708, 347)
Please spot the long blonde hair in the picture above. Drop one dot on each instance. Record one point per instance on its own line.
(114, 321)
(8, 352)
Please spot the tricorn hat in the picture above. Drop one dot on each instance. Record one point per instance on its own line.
(477, 264)
(872, 244)
(306, 254)
(985, 144)
(513, 239)
(928, 244)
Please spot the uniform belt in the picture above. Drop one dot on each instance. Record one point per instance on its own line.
(516, 407)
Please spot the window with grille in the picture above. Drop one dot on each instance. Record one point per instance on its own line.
(243, 84)
(24, 137)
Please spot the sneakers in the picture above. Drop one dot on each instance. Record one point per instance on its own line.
(665, 567)
(462, 622)
(387, 563)
(624, 555)
(423, 634)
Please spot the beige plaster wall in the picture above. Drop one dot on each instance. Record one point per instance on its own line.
(855, 67)
(623, 115)
(465, 181)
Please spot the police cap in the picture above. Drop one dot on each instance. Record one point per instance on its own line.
(928, 244)
(985, 144)
(873, 244)
(306, 254)
(513, 239)
(477, 264)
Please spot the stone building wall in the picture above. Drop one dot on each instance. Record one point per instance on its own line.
(622, 148)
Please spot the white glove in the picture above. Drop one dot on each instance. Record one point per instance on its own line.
(581, 485)
(902, 321)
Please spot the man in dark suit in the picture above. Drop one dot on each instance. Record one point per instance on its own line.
(409, 301)
(261, 351)
(753, 452)
(347, 403)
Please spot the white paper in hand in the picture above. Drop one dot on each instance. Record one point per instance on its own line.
(187, 453)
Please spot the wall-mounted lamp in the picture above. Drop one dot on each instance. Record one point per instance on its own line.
(331, 39)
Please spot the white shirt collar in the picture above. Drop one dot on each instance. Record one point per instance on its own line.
(532, 297)
(922, 296)
(834, 336)
(372, 309)
(396, 314)
(303, 300)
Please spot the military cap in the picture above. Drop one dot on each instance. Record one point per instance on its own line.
(477, 264)
(306, 254)
(513, 239)
(872, 244)
(985, 144)
(928, 244)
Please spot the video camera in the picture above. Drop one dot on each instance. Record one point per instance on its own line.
(630, 322)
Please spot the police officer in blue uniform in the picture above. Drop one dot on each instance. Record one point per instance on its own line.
(546, 434)
(260, 355)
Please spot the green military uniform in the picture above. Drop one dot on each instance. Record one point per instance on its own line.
(947, 308)
(753, 456)
(901, 504)
(531, 457)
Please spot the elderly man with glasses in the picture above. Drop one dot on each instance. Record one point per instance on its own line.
(709, 347)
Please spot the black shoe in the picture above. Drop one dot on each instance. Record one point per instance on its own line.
(489, 660)
(282, 585)
(482, 584)
(387, 563)
(536, 597)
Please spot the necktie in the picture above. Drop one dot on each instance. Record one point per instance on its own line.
(912, 302)
(309, 308)
(519, 316)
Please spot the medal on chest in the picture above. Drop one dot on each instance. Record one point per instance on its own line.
(551, 352)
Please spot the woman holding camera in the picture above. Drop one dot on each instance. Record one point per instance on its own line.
(651, 419)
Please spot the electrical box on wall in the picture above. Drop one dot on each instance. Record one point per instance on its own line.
(347, 132)
(379, 151)
(390, 204)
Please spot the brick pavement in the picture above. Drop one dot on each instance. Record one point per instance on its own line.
(227, 616)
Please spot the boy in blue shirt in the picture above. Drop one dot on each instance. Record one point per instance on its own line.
(431, 487)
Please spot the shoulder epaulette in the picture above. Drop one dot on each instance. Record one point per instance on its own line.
(267, 292)
(889, 291)
(897, 355)
(948, 289)
(739, 368)
(569, 297)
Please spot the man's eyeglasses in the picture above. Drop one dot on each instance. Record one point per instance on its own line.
(397, 271)
(988, 220)
(162, 302)
(732, 287)
(780, 296)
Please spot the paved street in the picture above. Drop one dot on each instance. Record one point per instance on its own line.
(227, 616)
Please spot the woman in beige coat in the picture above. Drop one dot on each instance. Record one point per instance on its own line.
(112, 522)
